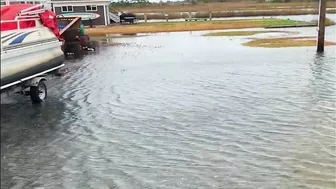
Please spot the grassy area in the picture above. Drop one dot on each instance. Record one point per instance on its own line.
(245, 33)
(227, 9)
(224, 6)
(191, 26)
(231, 13)
(285, 42)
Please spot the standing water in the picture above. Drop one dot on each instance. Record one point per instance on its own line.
(179, 110)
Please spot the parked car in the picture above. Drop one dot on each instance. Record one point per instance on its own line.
(128, 18)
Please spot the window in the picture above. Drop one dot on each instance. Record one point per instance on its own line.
(91, 7)
(67, 8)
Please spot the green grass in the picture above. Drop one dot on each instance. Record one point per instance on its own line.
(282, 22)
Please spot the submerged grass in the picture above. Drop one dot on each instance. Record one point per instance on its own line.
(191, 26)
(245, 33)
(100, 37)
(285, 42)
(327, 22)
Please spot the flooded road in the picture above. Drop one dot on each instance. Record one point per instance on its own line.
(179, 110)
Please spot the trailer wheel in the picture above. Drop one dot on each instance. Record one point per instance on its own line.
(38, 93)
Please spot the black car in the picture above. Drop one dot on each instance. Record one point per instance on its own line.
(127, 18)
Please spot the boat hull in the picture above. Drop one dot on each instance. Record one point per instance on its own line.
(20, 63)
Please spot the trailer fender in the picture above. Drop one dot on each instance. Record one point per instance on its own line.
(34, 82)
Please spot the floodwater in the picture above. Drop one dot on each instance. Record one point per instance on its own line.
(179, 110)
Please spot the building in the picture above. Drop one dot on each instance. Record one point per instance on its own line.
(84, 7)
(98, 10)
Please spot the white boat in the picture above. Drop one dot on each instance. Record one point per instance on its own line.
(29, 45)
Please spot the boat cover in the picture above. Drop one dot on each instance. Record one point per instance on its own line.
(9, 12)
(48, 19)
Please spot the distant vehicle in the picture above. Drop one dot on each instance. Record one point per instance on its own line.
(128, 18)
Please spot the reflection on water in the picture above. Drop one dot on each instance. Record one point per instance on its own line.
(27, 136)
(179, 110)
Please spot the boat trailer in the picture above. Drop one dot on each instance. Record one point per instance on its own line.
(34, 86)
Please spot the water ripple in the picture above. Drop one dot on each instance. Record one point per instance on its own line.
(145, 115)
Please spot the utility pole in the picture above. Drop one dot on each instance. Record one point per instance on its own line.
(321, 26)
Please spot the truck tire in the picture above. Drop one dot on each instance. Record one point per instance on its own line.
(77, 50)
